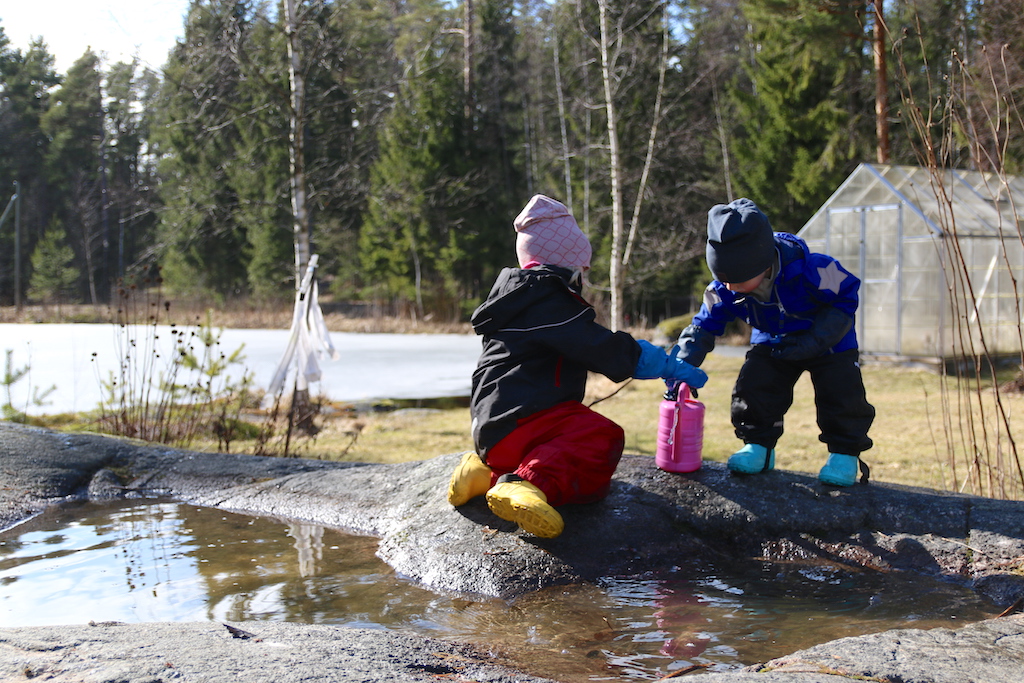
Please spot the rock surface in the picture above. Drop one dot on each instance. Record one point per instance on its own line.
(262, 652)
(269, 652)
(650, 520)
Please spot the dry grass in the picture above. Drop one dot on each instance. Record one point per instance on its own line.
(909, 448)
(407, 434)
(910, 440)
(908, 435)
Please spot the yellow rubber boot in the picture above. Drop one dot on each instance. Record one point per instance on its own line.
(526, 505)
(470, 479)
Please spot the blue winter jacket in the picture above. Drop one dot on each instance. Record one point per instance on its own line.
(811, 292)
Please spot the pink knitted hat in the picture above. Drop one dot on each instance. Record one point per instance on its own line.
(548, 234)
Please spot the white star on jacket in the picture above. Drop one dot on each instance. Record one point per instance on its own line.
(831, 277)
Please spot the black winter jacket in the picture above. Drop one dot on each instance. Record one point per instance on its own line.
(539, 340)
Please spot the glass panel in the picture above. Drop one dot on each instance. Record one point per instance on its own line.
(878, 312)
(922, 289)
(881, 249)
(914, 225)
(920, 254)
(844, 239)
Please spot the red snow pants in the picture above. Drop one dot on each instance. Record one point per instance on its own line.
(568, 451)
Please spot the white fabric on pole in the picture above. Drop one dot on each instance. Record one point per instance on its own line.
(307, 339)
(318, 326)
(281, 373)
(308, 365)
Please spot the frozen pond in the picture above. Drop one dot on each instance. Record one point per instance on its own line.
(75, 358)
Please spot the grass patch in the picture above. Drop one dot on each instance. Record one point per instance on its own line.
(909, 440)
(907, 432)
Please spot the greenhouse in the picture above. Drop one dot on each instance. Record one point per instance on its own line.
(940, 256)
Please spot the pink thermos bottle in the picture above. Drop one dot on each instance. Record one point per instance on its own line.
(680, 431)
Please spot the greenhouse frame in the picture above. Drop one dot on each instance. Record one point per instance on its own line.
(940, 256)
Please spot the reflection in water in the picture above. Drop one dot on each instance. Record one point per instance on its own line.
(139, 561)
(309, 541)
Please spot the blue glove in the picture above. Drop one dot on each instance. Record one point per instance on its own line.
(796, 347)
(654, 363)
(678, 369)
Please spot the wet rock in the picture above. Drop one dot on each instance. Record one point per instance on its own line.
(991, 652)
(272, 652)
(106, 485)
(209, 652)
(650, 520)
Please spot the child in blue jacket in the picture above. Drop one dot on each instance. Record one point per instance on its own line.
(801, 306)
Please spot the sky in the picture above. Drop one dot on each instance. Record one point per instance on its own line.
(114, 29)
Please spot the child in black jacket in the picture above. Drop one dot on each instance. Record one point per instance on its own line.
(539, 447)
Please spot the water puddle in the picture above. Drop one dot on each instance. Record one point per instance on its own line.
(137, 561)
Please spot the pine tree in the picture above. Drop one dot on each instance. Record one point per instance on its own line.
(226, 112)
(131, 180)
(808, 119)
(498, 188)
(202, 241)
(74, 160)
(259, 170)
(26, 81)
(54, 274)
(997, 67)
(409, 244)
(358, 70)
(924, 35)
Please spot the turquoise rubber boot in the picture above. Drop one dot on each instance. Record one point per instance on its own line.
(752, 459)
(840, 470)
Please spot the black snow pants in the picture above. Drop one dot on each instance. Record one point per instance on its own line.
(764, 392)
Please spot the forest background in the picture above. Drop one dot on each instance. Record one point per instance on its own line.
(426, 125)
(397, 139)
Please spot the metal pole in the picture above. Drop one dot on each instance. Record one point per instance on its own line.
(17, 247)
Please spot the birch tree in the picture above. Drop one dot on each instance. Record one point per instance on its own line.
(608, 64)
(615, 40)
(296, 142)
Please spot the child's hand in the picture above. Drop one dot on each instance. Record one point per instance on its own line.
(829, 328)
(655, 363)
(795, 347)
(652, 361)
(684, 372)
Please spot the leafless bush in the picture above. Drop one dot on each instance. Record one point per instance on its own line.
(975, 114)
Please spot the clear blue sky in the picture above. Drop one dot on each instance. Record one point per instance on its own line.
(116, 29)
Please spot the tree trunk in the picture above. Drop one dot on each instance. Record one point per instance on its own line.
(561, 125)
(615, 267)
(467, 63)
(652, 137)
(296, 151)
(723, 140)
(881, 85)
(301, 409)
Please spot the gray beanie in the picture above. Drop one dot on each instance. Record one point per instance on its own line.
(741, 244)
